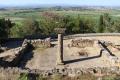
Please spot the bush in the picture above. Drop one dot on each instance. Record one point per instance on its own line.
(23, 76)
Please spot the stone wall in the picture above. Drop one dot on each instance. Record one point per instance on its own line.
(81, 43)
(39, 42)
(91, 35)
(13, 56)
(2, 49)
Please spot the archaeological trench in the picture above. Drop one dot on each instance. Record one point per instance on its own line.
(71, 55)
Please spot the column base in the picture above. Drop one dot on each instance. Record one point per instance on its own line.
(60, 63)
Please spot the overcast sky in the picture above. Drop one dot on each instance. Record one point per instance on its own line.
(60, 2)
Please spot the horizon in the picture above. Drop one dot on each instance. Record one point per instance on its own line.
(14, 3)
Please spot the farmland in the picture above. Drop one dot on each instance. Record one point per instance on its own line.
(27, 13)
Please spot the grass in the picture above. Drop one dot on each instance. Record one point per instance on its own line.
(23, 76)
(112, 77)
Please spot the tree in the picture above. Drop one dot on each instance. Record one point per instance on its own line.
(50, 21)
(30, 27)
(101, 24)
(5, 26)
(105, 23)
(17, 31)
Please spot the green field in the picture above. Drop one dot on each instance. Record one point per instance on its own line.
(18, 15)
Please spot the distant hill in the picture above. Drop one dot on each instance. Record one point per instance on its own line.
(62, 7)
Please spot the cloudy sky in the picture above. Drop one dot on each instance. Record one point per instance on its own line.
(60, 2)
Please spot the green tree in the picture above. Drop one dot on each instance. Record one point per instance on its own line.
(50, 21)
(30, 27)
(17, 31)
(101, 24)
(105, 23)
(5, 26)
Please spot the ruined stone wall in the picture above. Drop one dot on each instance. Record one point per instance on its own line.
(81, 43)
(1, 49)
(12, 57)
(9, 72)
(39, 42)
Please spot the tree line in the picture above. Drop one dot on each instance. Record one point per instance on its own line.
(49, 21)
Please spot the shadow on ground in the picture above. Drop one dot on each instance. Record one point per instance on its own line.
(82, 59)
(26, 57)
(12, 44)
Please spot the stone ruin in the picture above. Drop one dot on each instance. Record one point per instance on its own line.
(83, 53)
(111, 45)
(6, 73)
(2, 49)
(39, 43)
(13, 56)
(17, 53)
(81, 43)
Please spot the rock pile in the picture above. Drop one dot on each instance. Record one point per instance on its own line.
(81, 43)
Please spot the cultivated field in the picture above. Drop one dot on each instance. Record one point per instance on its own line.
(18, 15)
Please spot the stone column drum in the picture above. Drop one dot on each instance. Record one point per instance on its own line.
(60, 50)
(60, 32)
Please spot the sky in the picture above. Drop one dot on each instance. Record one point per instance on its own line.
(60, 2)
